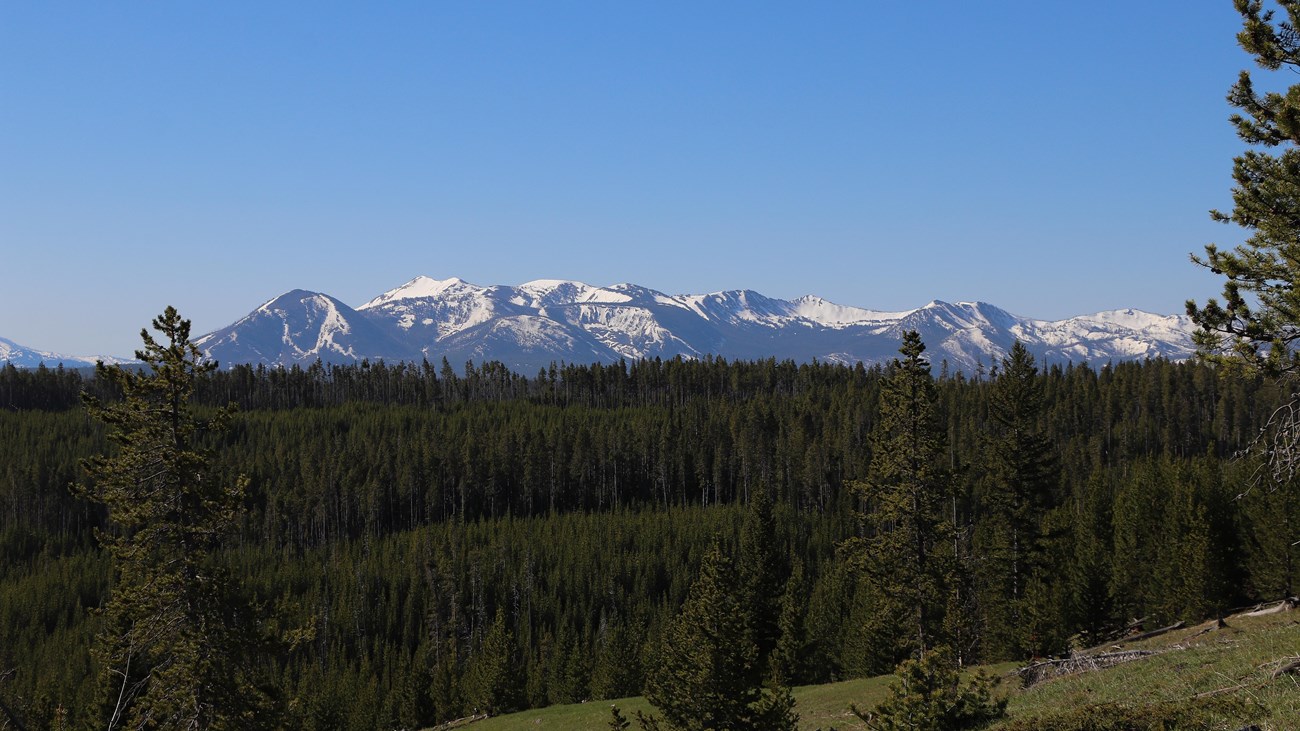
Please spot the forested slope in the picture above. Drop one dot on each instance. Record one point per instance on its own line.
(394, 514)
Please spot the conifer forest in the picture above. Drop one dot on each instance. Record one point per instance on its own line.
(399, 546)
(384, 546)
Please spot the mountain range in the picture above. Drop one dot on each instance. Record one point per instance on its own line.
(22, 356)
(532, 325)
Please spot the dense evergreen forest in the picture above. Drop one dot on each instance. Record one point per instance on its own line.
(427, 543)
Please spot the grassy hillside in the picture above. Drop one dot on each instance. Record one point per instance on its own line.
(1225, 675)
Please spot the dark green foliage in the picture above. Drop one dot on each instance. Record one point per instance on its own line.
(617, 671)
(1259, 319)
(761, 567)
(1021, 485)
(1170, 541)
(832, 639)
(1047, 621)
(1271, 518)
(928, 694)
(369, 518)
(173, 647)
(1087, 599)
(706, 673)
(491, 682)
(791, 656)
(40, 388)
(906, 499)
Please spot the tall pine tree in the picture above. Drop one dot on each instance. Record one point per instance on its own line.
(906, 549)
(1258, 323)
(1259, 318)
(1022, 477)
(492, 679)
(174, 651)
(761, 565)
(706, 675)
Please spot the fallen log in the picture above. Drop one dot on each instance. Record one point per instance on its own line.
(1154, 632)
(1290, 667)
(1116, 635)
(1047, 669)
(1284, 605)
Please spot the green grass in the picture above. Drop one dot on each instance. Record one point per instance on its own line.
(1240, 657)
(819, 706)
(1238, 661)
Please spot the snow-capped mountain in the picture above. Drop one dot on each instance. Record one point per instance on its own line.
(532, 325)
(301, 327)
(23, 357)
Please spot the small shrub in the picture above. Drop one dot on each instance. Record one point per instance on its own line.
(929, 694)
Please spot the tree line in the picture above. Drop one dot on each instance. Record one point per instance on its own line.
(494, 541)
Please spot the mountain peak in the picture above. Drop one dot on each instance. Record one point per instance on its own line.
(293, 296)
(301, 326)
(547, 285)
(418, 288)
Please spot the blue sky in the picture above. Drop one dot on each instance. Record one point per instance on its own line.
(1051, 158)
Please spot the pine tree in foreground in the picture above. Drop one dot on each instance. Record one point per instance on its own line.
(1257, 326)
(906, 551)
(928, 694)
(174, 648)
(707, 675)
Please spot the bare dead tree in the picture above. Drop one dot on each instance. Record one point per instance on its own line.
(1278, 446)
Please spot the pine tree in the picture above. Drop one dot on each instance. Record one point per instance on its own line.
(907, 549)
(1136, 507)
(704, 677)
(617, 668)
(1022, 478)
(1272, 551)
(1266, 268)
(1256, 327)
(928, 694)
(491, 680)
(175, 649)
(790, 657)
(761, 564)
(1089, 602)
(1045, 607)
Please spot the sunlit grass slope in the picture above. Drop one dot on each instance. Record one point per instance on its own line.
(1227, 671)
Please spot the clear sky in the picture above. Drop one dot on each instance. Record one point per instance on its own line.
(1052, 158)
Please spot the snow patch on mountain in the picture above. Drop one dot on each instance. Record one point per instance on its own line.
(828, 314)
(542, 292)
(417, 288)
(429, 309)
